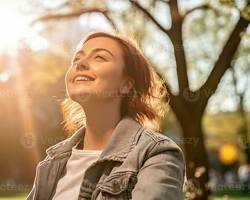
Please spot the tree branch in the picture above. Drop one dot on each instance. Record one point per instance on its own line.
(239, 93)
(177, 40)
(205, 6)
(223, 62)
(144, 10)
(175, 35)
(164, 1)
(74, 14)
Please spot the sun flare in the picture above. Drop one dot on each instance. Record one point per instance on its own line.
(13, 26)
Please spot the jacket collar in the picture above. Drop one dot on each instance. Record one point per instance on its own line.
(123, 139)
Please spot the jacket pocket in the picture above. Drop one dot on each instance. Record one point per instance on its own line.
(118, 185)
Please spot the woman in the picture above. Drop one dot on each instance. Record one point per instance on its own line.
(114, 106)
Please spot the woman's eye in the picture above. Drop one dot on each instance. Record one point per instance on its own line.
(100, 58)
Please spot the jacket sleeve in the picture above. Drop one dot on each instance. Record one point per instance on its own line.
(31, 194)
(162, 175)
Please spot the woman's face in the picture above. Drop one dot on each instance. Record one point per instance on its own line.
(101, 60)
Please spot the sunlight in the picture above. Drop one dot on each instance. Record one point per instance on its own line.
(13, 26)
(4, 76)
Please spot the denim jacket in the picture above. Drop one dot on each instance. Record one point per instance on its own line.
(137, 163)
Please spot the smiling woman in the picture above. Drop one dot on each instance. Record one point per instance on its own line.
(112, 90)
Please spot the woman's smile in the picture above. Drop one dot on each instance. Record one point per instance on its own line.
(84, 77)
(81, 80)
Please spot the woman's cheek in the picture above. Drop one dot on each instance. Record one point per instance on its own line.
(108, 71)
(68, 77)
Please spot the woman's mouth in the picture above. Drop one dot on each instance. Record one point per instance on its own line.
(83, 79)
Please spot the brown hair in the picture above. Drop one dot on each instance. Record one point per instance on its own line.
(146, 103)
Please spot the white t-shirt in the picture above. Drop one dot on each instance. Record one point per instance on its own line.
(68, 187)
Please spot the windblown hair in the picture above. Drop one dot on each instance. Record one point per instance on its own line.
(147, 102)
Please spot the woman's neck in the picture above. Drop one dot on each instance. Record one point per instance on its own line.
(101, 120)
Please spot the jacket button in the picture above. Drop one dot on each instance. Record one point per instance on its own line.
(117, 186)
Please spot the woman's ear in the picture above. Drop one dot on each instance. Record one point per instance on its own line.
(126, 85)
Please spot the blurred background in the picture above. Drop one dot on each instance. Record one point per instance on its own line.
(201, 47)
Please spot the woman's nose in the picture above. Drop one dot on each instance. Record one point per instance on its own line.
(82, 65)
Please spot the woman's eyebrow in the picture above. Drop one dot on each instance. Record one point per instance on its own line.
(95, 50)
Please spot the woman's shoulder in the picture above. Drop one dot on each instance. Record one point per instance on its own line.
(156, 143)
(162, 156)
(157, 137)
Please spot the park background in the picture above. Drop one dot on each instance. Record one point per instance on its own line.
(201, 48)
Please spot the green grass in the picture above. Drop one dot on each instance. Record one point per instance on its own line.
(13, 198)
(220, 197)
(231, 195)
(232, 198)
(216, 198)
(16, 197)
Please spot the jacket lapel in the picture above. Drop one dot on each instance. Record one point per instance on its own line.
(121, 142)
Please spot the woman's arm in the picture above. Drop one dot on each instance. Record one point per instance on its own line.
(162, 175)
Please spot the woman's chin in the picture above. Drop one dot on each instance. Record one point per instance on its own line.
(80, 97)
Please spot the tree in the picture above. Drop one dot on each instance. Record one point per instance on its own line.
(188, 105)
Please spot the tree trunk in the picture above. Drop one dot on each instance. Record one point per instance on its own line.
(196, 157)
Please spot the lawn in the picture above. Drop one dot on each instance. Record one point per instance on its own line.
(216, 198)
(16, 197)
(13, 198)
(232, 197)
